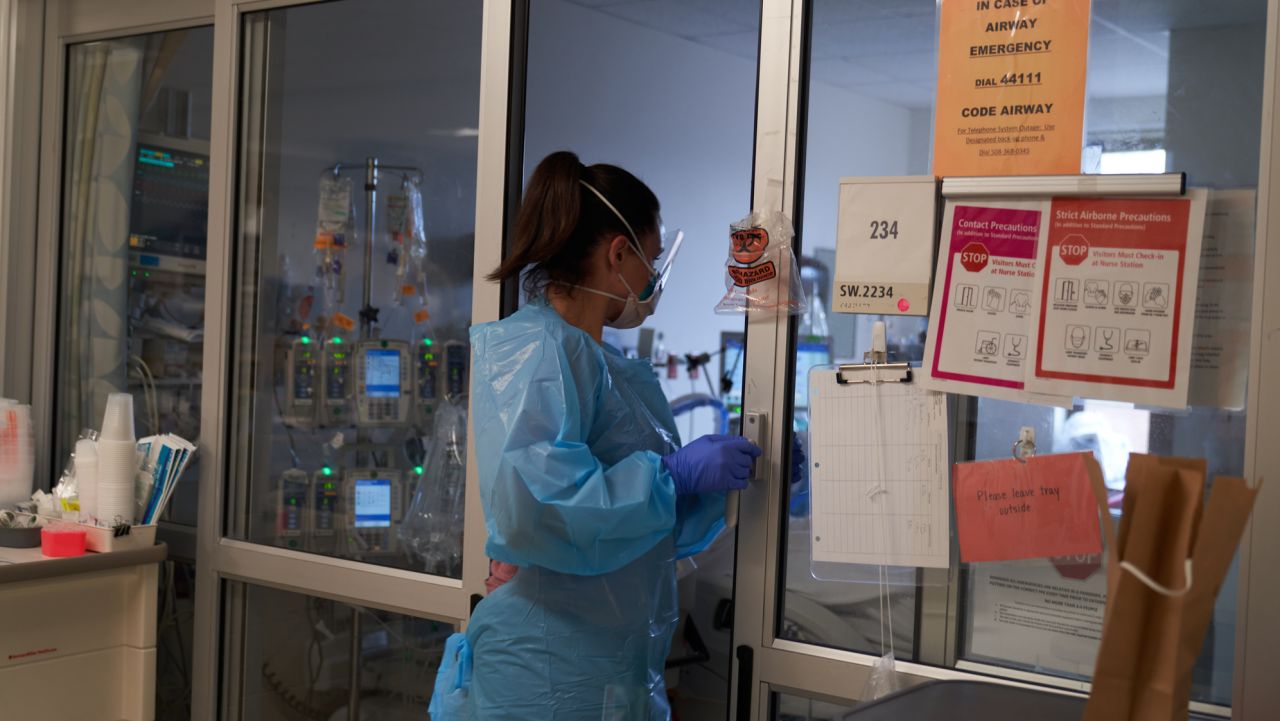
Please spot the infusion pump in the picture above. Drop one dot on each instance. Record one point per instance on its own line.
(318, 383)
(375, 507)
(376, 383)
(307, 511)
(301, 368)
(384, 383)
(361, 506)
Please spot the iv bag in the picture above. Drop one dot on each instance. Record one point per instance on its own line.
(333, 235)
(432, 530)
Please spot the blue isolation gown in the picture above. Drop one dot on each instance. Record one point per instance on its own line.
(569, 441)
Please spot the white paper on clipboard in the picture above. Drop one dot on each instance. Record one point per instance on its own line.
(878, 473)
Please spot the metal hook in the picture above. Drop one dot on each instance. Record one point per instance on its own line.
(1025, 446)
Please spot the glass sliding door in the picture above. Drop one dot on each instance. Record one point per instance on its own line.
(356, 250)
(867, 96)
(356, 143)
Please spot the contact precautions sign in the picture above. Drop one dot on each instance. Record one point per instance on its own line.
(1011, 80)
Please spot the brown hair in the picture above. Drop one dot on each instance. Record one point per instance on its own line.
(560, 221)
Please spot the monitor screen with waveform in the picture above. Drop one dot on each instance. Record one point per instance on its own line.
(169, 211)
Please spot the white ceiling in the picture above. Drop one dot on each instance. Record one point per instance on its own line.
(886, 49)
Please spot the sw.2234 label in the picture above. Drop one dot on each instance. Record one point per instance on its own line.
(854, 290)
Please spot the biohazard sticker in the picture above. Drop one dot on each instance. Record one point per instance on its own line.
(752, 274)
(749, 244)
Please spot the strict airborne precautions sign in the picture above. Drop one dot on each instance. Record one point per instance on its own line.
(1011, 77)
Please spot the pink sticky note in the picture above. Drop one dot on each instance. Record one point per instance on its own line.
(1008, 510)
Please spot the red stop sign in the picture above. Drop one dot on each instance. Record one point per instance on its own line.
(1073, 249)
(1077, 567)
(974, 257)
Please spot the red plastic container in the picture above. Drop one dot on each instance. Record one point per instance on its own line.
(62, 542)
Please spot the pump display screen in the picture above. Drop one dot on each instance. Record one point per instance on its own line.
(373, 503)
(382, 374)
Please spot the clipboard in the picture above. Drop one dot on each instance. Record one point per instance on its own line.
(879, 471)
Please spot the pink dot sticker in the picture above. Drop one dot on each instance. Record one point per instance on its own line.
(904, 305)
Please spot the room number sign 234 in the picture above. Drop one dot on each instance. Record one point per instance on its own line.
(884, 229)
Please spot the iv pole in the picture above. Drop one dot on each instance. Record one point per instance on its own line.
(368, 316)
(372, 169)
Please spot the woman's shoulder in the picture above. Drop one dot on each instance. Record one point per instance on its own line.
(535, 326)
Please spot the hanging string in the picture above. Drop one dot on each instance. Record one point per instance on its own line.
(886, 603)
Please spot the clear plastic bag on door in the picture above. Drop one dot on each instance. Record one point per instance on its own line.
(760, 259)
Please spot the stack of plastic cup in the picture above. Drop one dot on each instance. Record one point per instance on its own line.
(17, 452)
(87, 477)
(117, 462)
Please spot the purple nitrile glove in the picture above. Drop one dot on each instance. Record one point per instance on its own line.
(712, 463)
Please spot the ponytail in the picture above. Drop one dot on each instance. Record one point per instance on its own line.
(559, 223)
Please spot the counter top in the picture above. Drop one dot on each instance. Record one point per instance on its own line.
(28, 564)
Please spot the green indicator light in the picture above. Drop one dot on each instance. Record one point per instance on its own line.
(327, 471)
(417, 470)
(337, 340)
(306, 340)
(146, 274)
(328, 486)
(431, 356)
(427, 341)
(133, 273)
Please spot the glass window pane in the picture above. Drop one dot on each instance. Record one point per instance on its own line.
(874, 67)
(1155, 69)
(995, 632)
(303, 655)
(134, 217)
(793, 707)
(354, 293)
(1160, 73)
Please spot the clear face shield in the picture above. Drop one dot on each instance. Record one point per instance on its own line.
(664, 263)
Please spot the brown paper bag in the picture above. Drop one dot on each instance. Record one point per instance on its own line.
(1150, 640)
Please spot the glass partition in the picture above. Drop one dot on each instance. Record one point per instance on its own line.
(135, 199)
(134, 214)
(313, 658)
(1156, 69)
(792, 707)
(876, 69)
(356, 212)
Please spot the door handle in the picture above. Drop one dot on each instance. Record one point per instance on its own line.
(754, 425)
